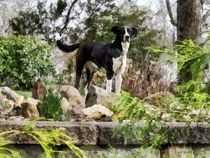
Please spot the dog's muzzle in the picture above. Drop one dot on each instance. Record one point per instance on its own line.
(127, 38)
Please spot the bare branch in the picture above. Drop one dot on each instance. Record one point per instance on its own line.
(206, 15)
(68, 15)
(173, 22)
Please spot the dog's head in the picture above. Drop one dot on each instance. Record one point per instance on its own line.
(124, 33)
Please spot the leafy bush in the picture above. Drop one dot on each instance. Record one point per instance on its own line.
(192, 60)
(51, 106)
(22, 58)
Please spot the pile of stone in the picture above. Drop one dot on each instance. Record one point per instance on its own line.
(74, 106)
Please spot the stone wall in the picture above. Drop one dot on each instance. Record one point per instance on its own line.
(95, 137)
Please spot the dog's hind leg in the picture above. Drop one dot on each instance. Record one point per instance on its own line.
(79, 67)
(90, 69)
(89, 74)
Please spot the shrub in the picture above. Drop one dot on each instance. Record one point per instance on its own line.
(22, 58)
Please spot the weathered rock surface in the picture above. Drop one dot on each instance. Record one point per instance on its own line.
(177, 151)
(98, 95)
(30, 108)
(9, 99)
(72, 95)
(83, 133)
(161, 99)
(38, 89)
(98, 112)
(75, 114)
(65, 105)
(202, 152)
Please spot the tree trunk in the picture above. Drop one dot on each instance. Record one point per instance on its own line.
(189, 20)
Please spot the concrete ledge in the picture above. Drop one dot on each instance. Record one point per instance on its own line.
(101, 133)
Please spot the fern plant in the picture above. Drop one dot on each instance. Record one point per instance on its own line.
(5, 150)
(48, 139)
(149, 131)
(193, 59)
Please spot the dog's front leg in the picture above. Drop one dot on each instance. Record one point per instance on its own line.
(109, 74)
(109, 85)
(118, 83)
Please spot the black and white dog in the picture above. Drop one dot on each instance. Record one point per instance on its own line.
(111, 56)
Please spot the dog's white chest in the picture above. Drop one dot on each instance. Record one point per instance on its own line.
(125, 46)
(119, 65)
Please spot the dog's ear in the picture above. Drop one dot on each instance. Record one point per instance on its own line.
(114, 29)
(134, 31)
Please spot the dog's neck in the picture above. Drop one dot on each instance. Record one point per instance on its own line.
(125, 46)
(122, 47)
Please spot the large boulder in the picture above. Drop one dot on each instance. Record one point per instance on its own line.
(98, 112)
(72, 95)
(98, 95)
(9, 100)
(30, 108)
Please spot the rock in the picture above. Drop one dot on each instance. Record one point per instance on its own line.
(202, 152)
(161, 99)
(19, 101)
(8, 100)
(9, 93)
(75, 114)
(30, 108)
(178, 151)
(72, 95)
(16, 118)
(98, 95)
(98, 112)
(38, 89)
(65, 106)
(149, 153)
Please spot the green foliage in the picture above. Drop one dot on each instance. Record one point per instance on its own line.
(145, 122)
(51, 105)
(193, 60)
(22, 58)
(193, 94)
(48, 139)
(5, 150)
(149, 131)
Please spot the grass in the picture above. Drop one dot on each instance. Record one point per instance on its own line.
(26, 94)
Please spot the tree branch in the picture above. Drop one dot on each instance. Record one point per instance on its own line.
(68, 16)
(173, 22)
(206, 15)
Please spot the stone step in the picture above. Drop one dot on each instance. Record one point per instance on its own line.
(101, 133)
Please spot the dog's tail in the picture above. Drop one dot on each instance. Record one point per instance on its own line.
(67, 48)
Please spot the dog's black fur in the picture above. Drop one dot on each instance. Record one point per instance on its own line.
(100, 54)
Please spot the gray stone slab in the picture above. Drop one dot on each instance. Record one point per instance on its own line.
(101, 133)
